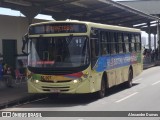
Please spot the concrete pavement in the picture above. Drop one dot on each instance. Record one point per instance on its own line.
(11, 96)
(17, 94)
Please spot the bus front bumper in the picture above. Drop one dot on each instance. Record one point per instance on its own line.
(73, 87)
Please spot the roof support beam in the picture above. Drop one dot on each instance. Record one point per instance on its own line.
(113, 18)
(127, 8)
(91, 10)
(49, 4)
(30, 12)
(60, 16)
(106, 14)
(131, 21)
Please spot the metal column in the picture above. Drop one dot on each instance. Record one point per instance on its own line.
(158, 39)
(149, 36)
(155, 43)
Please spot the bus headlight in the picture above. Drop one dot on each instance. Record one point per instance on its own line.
(34, 81)
(77, 80)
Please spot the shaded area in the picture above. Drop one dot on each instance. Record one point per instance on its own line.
(100, 11)
(73, 100)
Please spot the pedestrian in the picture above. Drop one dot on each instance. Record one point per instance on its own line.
(156, 54)
(8, 76)
(145, 51)
(1, 70)
(152, 55)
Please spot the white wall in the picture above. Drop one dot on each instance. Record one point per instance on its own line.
(13, 28)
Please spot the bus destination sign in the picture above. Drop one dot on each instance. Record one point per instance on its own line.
(57, 28)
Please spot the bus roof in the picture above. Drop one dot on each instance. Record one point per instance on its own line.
(92, 24)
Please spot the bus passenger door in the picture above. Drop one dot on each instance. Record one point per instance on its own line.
(113, 51)
(95, 52)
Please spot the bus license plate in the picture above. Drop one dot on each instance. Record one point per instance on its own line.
(55, 90)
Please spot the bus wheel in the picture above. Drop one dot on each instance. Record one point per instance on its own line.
(102, 92)
(130, 77)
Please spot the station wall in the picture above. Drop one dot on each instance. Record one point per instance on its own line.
(12, 27)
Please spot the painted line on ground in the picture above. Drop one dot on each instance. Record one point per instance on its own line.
(126, 97)
(38, 99)
(156, 83)
(137, 80)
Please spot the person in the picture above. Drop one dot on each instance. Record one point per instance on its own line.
(152, 55)
(104, 51)
(156, 54)
(8, 75)
(145, 51)
(21, 67)
(1, 71)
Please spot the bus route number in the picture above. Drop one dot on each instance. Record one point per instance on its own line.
(46, 78)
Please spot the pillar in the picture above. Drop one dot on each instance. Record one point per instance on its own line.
(158, 39)
(149, 35)
(30, 13)
(60, 16)
(154, 41)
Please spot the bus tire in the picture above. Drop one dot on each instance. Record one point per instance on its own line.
(130, 77)
(102, 92)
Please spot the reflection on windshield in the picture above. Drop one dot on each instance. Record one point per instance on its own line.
(58, 52)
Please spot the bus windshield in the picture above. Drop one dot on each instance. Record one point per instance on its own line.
(57, 52)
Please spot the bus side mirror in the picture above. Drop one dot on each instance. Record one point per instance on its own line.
(25, 41)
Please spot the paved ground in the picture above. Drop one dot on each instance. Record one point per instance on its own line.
(138, 99)
(10, 95)
(18, 94)
(146, 66)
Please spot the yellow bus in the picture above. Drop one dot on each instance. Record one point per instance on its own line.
(76, 57)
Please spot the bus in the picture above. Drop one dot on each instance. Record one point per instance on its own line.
(78, 57)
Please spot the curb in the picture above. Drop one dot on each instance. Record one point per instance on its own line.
(21, 100)
(149, 66)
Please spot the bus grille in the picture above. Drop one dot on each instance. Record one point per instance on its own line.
(62, 89)
(58, 81)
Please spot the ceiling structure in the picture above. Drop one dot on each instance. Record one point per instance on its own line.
(148, 6)
(100, 11)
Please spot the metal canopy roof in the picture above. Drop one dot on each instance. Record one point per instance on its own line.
(153, 29)
(101, 11)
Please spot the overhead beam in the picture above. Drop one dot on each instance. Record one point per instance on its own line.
(19, 2)
(113, 18)
(129, 9)
(91, 10)
(133, 21)
(60, 16)
(49, 4)
(30, 12)
(106, 14)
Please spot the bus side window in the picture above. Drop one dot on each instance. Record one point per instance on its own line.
(104, 44)
(95, 47)
(120, 44)
(138, 43)
(94, 51)
(132, 40)
(126, 43)
(116, 42)
(112, 43)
